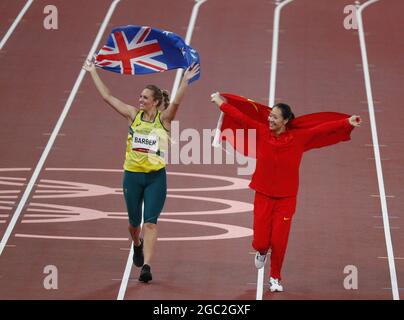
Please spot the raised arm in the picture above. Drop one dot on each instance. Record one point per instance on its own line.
(331, 132)
(233, 112)
(125, 110)
(168, 114)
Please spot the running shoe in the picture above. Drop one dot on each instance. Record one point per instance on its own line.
(138, 258)
(274, 285)
(145, 274)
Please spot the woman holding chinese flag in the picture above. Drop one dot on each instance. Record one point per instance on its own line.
(281, 142)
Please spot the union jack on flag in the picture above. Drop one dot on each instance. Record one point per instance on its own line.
(142, 50)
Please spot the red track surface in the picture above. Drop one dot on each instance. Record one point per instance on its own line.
(338, 219)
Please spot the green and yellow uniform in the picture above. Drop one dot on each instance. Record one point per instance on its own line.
(145, 175)
(147, 145)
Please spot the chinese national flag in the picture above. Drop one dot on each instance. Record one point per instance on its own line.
(259, 112)
(250, 108)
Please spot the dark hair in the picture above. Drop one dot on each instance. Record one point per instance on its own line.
(286, 111)
(162, 96)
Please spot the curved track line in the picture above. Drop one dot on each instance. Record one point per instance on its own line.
(236, 183)
(232, 231)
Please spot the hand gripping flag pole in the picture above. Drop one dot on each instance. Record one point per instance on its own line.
(216, 138)
(137, 50)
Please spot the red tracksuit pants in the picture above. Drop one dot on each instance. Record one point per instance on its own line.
(272, 221)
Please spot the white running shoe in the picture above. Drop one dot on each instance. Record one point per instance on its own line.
(260, 260)
(274, 285)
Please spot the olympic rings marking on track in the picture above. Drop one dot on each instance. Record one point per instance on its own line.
(52, 213)
(236, 183)
(63, 213)
(234, 206)
(39, 236)
(10, 194)
(231, 232)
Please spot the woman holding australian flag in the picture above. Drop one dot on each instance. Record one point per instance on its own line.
(141, 50)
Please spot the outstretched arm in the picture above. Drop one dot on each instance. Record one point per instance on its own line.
(233, 112)
(168, 114)
(331, 133)
(127, 111)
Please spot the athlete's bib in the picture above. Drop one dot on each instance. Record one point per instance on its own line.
(145, 143)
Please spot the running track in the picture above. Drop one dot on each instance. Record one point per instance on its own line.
(74, 218)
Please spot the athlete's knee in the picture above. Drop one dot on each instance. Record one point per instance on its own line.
(150, 226)
(134, 222)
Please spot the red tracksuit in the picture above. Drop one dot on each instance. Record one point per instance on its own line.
(276, 178)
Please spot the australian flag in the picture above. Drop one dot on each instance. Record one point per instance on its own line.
(142, 50)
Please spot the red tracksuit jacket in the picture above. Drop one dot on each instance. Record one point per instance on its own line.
(278, 158)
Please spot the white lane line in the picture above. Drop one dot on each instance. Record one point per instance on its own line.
(375, 140)
(128, 268)
(15, 23)
(275, 43)
(271, 101)
(188, 37)
(191, 26)
(55, 132)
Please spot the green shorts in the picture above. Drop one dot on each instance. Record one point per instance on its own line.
(148, 188)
